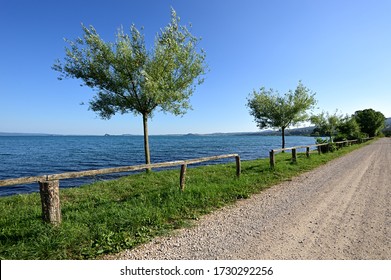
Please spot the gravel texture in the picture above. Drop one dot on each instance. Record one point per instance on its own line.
(338, 211)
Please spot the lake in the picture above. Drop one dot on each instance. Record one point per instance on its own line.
(22, 156)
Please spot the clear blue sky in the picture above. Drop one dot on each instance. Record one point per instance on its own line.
(339, 49)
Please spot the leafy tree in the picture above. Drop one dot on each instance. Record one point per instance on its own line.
(348, 129)
(271, 110)
(130, 79)
(326, 124)
(370, 121)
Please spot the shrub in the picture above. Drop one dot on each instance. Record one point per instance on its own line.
(331, 147)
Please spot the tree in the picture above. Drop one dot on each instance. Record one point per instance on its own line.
(326, 124)
(130, 79)
(348, 129)
(271, 110)
(370, 121)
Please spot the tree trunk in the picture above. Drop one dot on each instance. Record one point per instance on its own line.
(283, 137)
(146, 141)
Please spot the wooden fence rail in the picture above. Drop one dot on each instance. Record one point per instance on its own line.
(49, 185)
(308, 147)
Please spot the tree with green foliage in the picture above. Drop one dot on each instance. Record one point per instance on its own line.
(348, 129)
(130, 79)
(271, 110)
(370, 121)
(326, 124)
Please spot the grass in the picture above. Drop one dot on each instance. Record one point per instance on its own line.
(107, 217)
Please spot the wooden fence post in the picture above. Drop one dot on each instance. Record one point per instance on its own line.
(294, 158)
(272, 160)
(238, 166)
(319, 150)
(182, 177)
(50, 199)
(307, 151)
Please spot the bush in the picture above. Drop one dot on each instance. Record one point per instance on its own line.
(331, 147)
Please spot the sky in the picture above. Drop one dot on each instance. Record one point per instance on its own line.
(339, 49)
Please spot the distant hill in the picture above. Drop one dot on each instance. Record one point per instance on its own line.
(301, 131)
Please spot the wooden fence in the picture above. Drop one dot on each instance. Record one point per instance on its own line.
(308, 147)
(49, 185)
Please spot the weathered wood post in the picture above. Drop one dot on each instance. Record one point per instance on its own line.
(319, 150)
(307, 151)
(294, 158)
(182, 177)
(50, 199)
(272, 160)
(238, 166)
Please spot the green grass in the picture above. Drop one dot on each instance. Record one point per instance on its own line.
(107, 217)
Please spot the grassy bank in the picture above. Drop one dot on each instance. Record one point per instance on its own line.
(107, 217)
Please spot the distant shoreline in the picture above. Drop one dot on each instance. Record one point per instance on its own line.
(305, 131)
(301, 131)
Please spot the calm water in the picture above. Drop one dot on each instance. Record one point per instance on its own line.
(22, 156)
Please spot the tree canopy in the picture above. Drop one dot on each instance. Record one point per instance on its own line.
(362, 124)
(128, 78)
(326, 124)
(370, 121)
(348, 129)
(271, 110)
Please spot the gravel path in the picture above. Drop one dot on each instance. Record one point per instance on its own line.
(338, 211)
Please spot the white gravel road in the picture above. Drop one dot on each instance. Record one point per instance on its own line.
(338, 211)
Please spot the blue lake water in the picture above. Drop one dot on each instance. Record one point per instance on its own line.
(22, 156)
